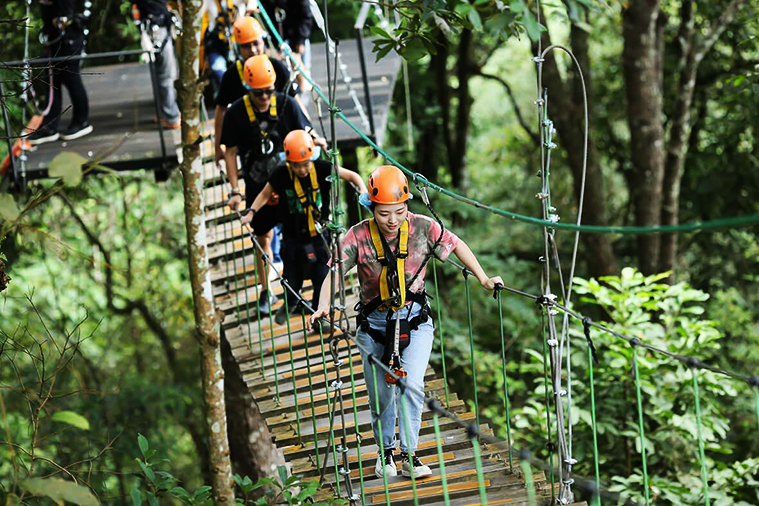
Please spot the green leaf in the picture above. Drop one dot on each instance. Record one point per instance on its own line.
(376, 30)
(413, 50)
(136, 496)
(59, 490)
(144, 445)
(8, 208)
(67, 165)
(71, 418)
(532, 26)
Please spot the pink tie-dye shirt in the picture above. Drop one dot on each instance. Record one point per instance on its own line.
(358, 249)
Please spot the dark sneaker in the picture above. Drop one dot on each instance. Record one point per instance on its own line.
(42, 135)
(265, 301)
(386, 468)
(76, 130)
(413, 465)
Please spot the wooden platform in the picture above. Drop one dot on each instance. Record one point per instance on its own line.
(122, 111)
(292, 379)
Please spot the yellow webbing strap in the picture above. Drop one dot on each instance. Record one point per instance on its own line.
(238, 63)
(310, 210)
(400, 264)
(252, 114)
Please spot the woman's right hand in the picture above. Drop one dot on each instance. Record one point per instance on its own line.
(319, 313)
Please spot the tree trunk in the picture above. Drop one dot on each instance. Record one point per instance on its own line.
(642, 30)
(692, 53)
(678, 137)
(189, 94)
(252, 452)
(458, 153)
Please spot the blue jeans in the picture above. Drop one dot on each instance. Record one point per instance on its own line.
(414, 360)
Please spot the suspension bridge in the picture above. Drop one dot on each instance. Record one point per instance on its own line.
(310, 386)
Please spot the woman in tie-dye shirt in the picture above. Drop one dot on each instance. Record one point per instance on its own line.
(388, 201)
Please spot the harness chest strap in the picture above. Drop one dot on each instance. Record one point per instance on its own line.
(310, 208)
(400, 260)
(251, 112)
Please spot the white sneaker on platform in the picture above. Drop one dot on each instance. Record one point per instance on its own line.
(418, 469)
(386, 469)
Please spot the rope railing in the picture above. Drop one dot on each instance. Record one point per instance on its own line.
(338, 445)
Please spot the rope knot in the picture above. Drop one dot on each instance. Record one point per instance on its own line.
(497, 290)
(693, 362)
(634, 342)
(754, 381)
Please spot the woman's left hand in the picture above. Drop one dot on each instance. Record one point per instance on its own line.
(489, 283)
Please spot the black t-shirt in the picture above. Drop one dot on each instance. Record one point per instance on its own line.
(291, 215)
(231, 87)
(155, 9)
(238, 131)
(298, 19)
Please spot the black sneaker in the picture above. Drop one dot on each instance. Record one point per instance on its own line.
(76, 130)
(418, 469)
(388, 467)
(265, 301)
(42, 135)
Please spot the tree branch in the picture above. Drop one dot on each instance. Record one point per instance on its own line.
(525, 126)
(715, 31)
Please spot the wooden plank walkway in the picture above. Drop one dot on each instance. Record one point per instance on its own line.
(122, 112)
(276, 369)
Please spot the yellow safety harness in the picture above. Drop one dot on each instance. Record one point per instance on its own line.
(252, 114)
(309, 207)
(389, 301)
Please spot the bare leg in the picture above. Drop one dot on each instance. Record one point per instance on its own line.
(263, 267)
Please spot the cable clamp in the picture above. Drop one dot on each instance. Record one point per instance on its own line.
(550, 145)
(553, 312)
(542, 195)
(553, 342)
(343, 471)
(538, 59)
(554, 218)
(336, 385)
(571, 461)
(561, 393)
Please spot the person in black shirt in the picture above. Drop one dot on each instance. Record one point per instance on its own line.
(63, 33)
(249, 40)
(254, 128)
(304, 206)
(294, 21)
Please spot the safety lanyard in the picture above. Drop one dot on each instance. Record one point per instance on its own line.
(385, 280)
(310, 207)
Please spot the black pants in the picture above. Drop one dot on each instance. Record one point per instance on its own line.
(297, 266)
(67, 73)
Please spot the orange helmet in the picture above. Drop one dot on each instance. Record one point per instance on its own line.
(388, 185)
(246, 30)
(299, 146)
(259, 72)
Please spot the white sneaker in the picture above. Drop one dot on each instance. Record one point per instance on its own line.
(388, 469)
(418, 469)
